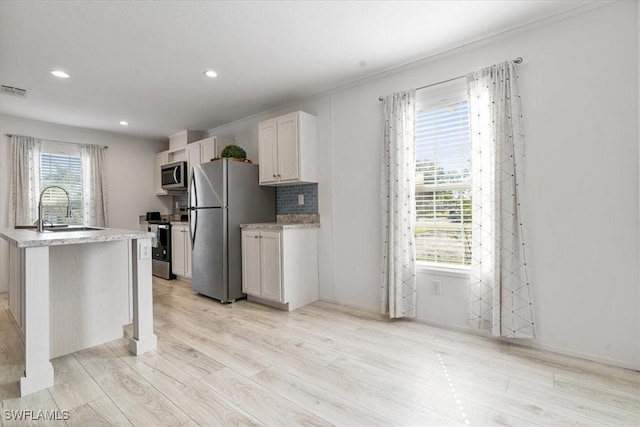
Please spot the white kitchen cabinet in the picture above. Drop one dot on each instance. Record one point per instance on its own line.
(209, 147)
(180, 250)
(268, 152)
(187, 253)
(287, 149)
(280, 266)
(270, 266)
(205, 150)
(261, 255)
(193, 158)
(251, 265)
(162, 158)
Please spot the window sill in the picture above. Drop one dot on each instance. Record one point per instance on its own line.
(425, 268)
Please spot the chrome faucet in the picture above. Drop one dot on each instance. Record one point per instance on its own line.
(40, 222)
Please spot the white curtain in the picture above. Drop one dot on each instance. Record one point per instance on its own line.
(25, 180)
(94, 184)
(398, 290)
(500, 297)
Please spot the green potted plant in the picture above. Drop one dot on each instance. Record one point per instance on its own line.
(234, 151)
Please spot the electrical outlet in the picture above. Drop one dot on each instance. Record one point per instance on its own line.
(301, 199)
(436, 287)
(144, 250)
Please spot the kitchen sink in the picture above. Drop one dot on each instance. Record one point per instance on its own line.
(72, 228)
(58, 227)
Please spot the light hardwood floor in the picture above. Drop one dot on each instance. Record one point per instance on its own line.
(247, 364)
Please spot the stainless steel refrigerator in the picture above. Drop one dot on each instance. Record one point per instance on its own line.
(224, 194)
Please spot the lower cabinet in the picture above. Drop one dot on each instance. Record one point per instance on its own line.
(280, 267)
(180, 250)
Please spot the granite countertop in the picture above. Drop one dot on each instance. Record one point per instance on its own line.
(280, 225)
(30, 238)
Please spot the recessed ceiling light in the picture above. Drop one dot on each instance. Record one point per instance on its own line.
(60, 73)
(123, 123)
(210, 73)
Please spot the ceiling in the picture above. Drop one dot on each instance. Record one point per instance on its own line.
(144, 61)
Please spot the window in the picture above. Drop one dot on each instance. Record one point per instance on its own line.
(62, 168)
(443, 176)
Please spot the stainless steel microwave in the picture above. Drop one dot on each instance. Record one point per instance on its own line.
(174, 176)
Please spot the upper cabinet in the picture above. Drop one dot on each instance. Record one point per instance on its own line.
(287, 149)
(194, 157)
(162, 158)
(207, 149)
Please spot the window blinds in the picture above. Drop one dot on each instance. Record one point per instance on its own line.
(443, 181)
(64, 171)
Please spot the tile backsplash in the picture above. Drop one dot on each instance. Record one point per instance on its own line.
(287, 199)
(182, 202)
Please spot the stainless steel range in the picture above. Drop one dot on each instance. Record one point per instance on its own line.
(161, 250)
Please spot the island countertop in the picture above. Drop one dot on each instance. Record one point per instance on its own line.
(30, 238)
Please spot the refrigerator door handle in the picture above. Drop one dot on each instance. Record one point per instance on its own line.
(193, 195)
(193, 213)
(193, 224)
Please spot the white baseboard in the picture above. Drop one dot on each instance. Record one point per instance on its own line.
(578, 354)
(538, 346)
(524, 343)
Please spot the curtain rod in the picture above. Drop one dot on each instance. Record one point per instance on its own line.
(106, 147)
(518, 60)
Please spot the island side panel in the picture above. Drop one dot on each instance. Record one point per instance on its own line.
(38, 369)
(16, 288)
(143, 339)
(89, 294)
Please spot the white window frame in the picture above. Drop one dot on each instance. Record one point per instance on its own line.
(71, 150)
(438, 95)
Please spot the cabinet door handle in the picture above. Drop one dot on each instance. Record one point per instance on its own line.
(274, 175)
(278, 175)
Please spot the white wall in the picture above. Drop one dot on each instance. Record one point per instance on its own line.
(579, 85)
(129, 165)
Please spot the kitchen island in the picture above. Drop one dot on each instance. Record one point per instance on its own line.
(75, 288)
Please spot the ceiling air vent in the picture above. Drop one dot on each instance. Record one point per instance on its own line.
(13, 91)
